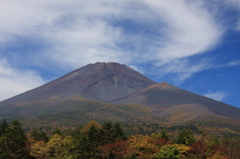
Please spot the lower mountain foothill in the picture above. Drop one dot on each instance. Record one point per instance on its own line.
(109, 110)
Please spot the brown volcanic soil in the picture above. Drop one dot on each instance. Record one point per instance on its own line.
(170, 101)
(118, 84)
(99, 81)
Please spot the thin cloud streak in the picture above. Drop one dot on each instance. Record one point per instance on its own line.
(188, 29)
(218, 95)
(234, 63)
(76, 32)
(14, 81)
(238, 25)
(184, 68)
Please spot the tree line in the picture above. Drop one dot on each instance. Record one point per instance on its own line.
(109, 141)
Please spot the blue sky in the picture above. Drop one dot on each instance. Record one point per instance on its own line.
(194, 45)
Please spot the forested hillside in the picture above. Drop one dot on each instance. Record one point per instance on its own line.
(111, 91)
(111, 141)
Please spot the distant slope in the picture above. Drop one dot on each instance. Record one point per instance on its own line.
(75, 111)
(111, 91)
(167, 100)
(99, 81)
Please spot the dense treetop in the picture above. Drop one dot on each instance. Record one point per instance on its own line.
(110, 141)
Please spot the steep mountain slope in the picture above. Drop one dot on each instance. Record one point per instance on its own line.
(77, 111)
(170, 101)
(104, 91)
(99, 81)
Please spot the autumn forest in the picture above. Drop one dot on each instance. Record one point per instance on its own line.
(113, 141)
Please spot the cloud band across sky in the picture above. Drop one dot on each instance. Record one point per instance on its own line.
(14, 81)
(70, 34)
(86, 30)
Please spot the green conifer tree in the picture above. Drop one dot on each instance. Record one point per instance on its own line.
(14, 141)
(185, 137)
(164, 135)
(3, 127)
(106, 133)
(39, 135)
(118, 132)
(87, 146)
(57, 131)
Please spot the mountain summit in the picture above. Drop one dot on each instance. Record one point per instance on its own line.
(113, 89)
(99, 81)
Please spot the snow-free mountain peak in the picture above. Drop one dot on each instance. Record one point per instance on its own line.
(99, 81)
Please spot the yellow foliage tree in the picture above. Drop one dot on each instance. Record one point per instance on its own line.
(39, 150)
(142, 146)
(183, 149)
(57, 147)
(90, 124)
(218, 155)
(173, 151)
(60, 147)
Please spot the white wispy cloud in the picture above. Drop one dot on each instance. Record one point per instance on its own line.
(190, 28)
(238, 25)
(229, 64)
(86, 42)
(14, 81)
(234, 63)
(218, 95)
(182, 30)
(184, 68)
(233, 3)
(78, 32)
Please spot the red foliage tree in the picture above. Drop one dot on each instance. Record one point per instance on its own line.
(114, 150)
(199, 149)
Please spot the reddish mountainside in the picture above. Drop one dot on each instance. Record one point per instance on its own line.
(115, 84)
(99, 81)
(170, 101)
